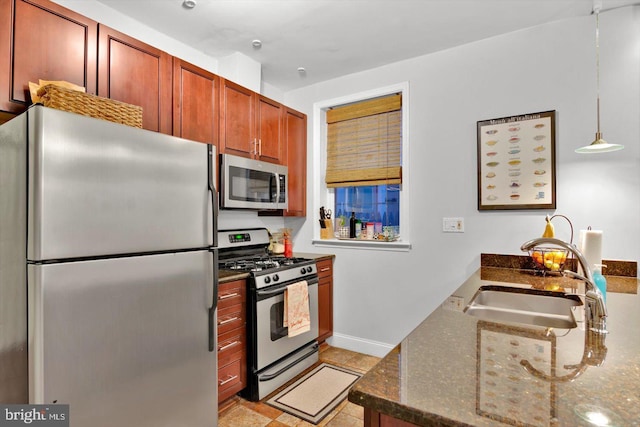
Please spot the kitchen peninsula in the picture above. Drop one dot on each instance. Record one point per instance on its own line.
(456, 370)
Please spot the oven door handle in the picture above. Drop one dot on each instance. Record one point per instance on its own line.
(280, 289)
(268, 377)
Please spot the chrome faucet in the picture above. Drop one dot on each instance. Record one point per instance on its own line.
(595, 317)
(596, 310)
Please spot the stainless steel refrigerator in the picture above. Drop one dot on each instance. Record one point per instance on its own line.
(108, 271)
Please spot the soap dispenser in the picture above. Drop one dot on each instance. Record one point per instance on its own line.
(600, 280)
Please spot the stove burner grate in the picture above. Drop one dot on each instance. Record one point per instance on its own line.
(259, 263)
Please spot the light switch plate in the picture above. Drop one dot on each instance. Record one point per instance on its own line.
(453, 225)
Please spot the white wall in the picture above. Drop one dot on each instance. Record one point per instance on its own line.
(380, 296)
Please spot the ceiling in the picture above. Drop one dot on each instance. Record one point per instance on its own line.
(331, 38)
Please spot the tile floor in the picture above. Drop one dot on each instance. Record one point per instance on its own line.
(242, 413)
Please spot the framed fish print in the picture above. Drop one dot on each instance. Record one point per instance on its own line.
(516, 162)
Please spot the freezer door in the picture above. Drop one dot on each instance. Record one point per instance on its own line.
(99, 188)
(125, 342)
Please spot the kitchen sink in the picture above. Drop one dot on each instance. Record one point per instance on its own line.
(527, 306)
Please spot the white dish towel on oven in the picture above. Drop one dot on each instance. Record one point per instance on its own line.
(296, 308)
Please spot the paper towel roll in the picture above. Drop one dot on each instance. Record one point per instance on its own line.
(590, 244)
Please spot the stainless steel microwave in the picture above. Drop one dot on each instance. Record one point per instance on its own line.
(252, 184)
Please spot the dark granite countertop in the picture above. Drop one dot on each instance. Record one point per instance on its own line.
(315, 256)
(456, 370)
(225, 276)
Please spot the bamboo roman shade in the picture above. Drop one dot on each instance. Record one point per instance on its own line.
(364, 143)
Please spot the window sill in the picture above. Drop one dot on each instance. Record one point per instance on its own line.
(399, 246)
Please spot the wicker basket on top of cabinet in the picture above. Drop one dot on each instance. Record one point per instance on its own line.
(325, 298)
(232, 342)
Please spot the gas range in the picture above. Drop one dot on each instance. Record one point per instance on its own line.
(273, 357)
(246, 250)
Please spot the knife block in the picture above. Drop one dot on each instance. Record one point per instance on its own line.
(327, 232)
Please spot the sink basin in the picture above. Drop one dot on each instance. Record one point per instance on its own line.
(527, 306)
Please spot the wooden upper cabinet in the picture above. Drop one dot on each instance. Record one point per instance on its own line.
(42, 40)
(250, 124)
(269, 130)
(136, 73)
(195, 103)
(295, 143)
(236, 120)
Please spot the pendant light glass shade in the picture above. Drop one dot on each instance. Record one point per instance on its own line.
(599, 145)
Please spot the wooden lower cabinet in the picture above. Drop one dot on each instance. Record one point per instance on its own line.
(376, 419)
(232, 334)
(325, 298)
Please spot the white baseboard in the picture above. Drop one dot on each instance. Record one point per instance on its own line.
(361, 345)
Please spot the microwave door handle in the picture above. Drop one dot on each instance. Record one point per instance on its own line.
(277, 188)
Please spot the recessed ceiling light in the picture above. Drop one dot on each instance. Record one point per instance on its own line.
(257, 44)
(302, 71)
(189, 4)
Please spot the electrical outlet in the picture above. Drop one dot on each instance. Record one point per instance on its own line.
(453, 225)
(454, 303)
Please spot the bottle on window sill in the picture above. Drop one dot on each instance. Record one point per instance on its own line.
(352, 226)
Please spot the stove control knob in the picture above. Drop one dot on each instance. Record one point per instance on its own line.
(309, 269)
(303, 270)
(267, 279)
(276, 277)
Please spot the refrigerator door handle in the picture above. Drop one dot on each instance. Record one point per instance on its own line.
(213, 297)
(212, 329)
(212, 175)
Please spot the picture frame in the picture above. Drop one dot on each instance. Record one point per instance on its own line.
(516, 162)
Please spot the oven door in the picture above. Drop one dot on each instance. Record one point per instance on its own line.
(272, 340)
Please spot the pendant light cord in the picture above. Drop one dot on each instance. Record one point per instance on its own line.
(598, 66)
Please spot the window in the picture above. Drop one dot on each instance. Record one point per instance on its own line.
(387, 195)
(364, 161)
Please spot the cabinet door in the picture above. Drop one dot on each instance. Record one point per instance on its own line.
(42, 40)
(295, 144)
(268, 130)
(136, 73)
(237, 134)
(325, 299)
(195, 103)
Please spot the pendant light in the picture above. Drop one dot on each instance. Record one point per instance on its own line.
(599, 145)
